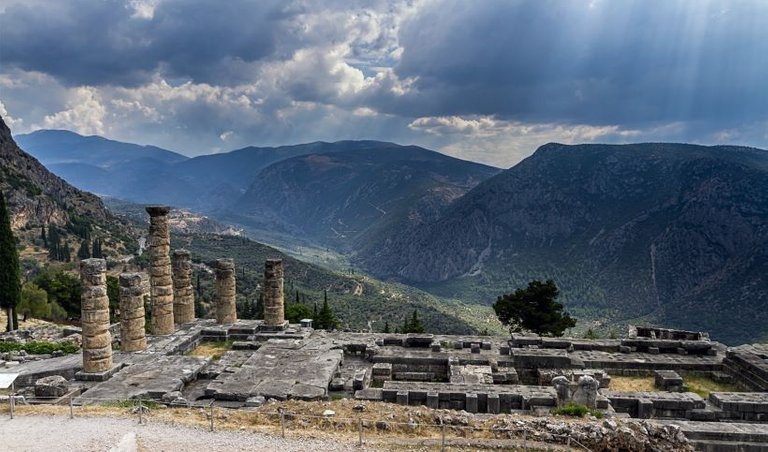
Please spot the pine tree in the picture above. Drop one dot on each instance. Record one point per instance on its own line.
(10, 280)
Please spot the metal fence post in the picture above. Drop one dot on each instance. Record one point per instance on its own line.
(11, 401)
(211, 416)
(141, 417)
(71, 408)
(442, 441)
(282, 422)
(359, 432)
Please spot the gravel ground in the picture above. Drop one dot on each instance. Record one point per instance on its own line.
(59, 433)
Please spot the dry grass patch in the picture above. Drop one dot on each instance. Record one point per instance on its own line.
(382, 422)
(213, 349)
(632, 384)
(703, 385)
(30, 323)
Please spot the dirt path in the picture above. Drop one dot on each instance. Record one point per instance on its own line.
(59, 433)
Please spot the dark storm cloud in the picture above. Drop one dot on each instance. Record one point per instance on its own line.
(607, 62)
(107, 42)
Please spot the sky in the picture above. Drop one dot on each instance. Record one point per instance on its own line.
(488, 81)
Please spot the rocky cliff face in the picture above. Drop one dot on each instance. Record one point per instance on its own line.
(661, 232)
(37, 197)
(354, 198)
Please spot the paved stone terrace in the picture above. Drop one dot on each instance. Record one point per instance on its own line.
(281, 369)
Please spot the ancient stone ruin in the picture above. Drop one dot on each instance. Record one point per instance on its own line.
(274, 312)
(225, 297)
(183, 293)
(160, 279)
(271, 359)
(97, 341)
(132, 322)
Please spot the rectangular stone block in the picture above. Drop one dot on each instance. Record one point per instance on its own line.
(494, 404)
(433, 400)
(359, 380)
(471, 403)
(644, 409)
(402, 398)
(382, 369)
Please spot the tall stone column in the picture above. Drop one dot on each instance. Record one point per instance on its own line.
(160, 278)
(183, 294)
(97, 342)
(132, 337)
(274, 312)
(226, 308)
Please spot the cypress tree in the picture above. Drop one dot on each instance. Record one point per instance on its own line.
(10, 281)
(326, 319)
(386, 327)
(83, 252)
(44, 237)
(259, 309)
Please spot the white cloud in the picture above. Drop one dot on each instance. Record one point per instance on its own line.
(85, 113)
(10, 121)
(503, 143)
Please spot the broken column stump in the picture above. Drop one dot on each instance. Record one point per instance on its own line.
(226, 308)
(132, 333)
(183, 293)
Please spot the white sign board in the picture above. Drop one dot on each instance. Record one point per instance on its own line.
(6, 380)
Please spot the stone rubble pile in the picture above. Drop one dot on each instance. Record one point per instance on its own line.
(608, 435)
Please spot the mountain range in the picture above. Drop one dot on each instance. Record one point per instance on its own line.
(671, 234)
(343, 195)
(39, 199)
(668, 233)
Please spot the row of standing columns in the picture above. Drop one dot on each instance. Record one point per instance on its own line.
(171, 292)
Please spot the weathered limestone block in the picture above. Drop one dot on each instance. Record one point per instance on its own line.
(97, 342)
(132, 336)
(586, 393)
(183, 294)
(563, 387)
(668, 380)
(160, 277)
(226, 309)
(274, 308)
(53, 386)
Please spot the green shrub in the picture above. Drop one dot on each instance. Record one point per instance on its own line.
(39, 347)
(576, 410)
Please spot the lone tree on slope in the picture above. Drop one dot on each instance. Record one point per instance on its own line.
(534, 309)
(10, 281)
